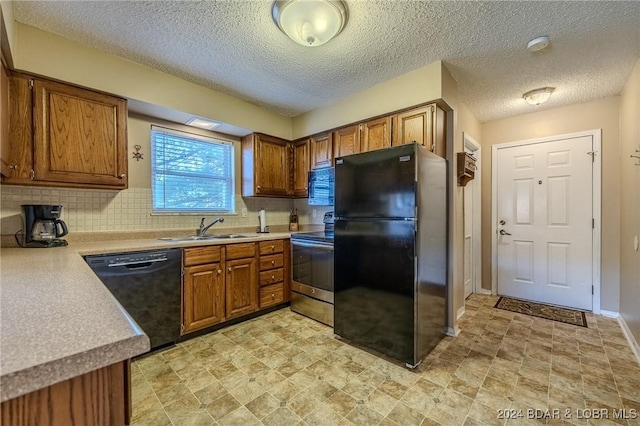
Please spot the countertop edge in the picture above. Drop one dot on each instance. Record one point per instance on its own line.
(38, 377)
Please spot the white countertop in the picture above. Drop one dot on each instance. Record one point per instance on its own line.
(57, 319)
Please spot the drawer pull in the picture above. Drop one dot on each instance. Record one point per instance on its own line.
(219, 271)
(273, 262)
(273, 278)
(273, 296)
(273, 248)
(313, 290)
(230, 269)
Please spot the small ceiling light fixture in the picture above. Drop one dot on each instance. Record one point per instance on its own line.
(310, 22)
(538, 96)
(202, 123)
(538, 43)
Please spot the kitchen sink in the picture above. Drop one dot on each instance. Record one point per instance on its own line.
(205, 237)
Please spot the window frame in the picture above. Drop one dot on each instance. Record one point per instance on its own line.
(200, 138)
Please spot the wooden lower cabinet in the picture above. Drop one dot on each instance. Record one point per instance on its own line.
(96, 398)
(224, 282)
(241, 288)
(203, 296)
(271, 295)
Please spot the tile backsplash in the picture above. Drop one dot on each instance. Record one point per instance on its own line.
(87, 210)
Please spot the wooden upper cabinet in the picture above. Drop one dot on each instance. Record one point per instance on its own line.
(5, 150)
(63, 135)
(322, 150)
(301, 158)
(376, 134)
(346, 141)
(80, 136)
(424, 125)
(20, 131)
(266, 165)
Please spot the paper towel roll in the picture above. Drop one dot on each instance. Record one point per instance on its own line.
(262, 220)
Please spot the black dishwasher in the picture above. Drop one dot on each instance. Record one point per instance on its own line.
(147, 285)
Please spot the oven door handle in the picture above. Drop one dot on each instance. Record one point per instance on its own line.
(327, 247)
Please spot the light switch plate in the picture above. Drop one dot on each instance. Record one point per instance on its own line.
(244, 212)
(314, 213)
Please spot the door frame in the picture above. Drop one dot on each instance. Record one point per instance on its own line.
(476, 243)
(596, 206)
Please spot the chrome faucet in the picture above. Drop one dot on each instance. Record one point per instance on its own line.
(204, 229)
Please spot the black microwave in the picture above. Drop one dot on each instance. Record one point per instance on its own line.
(322, 186)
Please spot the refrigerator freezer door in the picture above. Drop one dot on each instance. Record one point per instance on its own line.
(377, 184)
(374, 285)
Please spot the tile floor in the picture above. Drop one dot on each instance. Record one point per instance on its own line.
(285, 369)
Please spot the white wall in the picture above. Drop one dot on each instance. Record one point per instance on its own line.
(630, 202)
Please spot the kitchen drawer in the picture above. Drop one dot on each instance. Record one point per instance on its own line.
(271, 277)
(271, 295)
(240, 251)
(273, 246)
(200, 255)
(271, 261)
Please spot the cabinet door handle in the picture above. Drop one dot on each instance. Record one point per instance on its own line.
(32, 174)
(273, 278)
(14, 166)
(273, 296)
(273, 248)
(273, 262)
(230, 268)
(122, 176)
(219, 271)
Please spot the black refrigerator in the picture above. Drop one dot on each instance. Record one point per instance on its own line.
(391, 251)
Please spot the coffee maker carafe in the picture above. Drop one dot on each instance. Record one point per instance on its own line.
(41, 226)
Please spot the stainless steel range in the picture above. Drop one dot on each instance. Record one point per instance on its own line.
(312, 273)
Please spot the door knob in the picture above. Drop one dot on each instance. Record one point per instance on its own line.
(503, 232)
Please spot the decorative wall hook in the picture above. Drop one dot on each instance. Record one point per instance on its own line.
(636, 156)
(137, 155)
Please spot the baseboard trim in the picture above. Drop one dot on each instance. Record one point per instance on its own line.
(632, 341)
(453, 331)
(461, 312)
(610, 314)
(484, 291)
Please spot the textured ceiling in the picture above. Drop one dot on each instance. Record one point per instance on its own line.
(234, 47)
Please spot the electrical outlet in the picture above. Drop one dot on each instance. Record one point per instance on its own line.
(314, 213)
(244, 212)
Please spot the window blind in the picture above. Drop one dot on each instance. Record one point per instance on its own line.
(190, 173)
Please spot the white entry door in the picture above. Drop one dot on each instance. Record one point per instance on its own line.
(544, 214)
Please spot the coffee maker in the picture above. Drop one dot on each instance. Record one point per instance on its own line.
(41, 226)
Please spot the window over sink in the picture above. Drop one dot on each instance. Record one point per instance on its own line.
(191, 173)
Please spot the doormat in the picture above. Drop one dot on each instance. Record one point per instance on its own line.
(554, 313)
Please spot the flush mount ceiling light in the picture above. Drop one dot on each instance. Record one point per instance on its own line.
(538, 43)
(202, 123)
(538, 96)
(310, 22)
